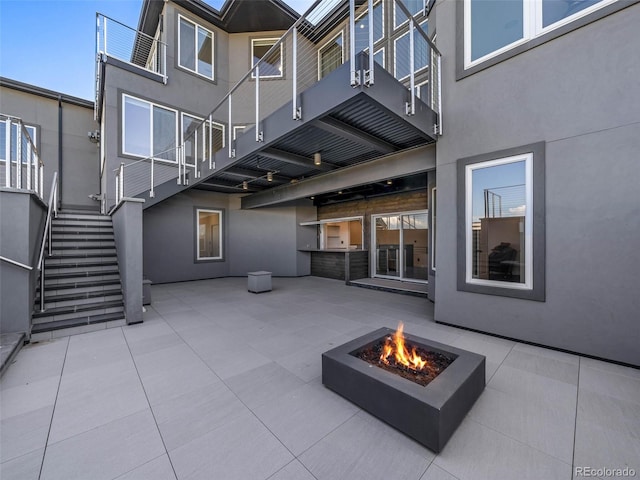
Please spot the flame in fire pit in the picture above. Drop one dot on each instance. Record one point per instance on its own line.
(395, 346)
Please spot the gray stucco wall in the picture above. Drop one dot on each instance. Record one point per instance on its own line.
(264, 239)
(80, 168)
(21, 231)
(576, 93)
(127, 229)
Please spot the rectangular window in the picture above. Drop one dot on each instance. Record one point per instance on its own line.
(195, 50)
(209, 235)
(271, 65)
(198, 143)
(402, 57)
(494, 26)
(503, 223)
(13, 141)
(362, 27)
(414, 6)
(330, 56)
(148, 129)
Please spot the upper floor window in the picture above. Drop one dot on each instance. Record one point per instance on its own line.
(271, 65)
(330, 56)
(402, 57)
(195, 50)
(415, 7)
(362, 27)
(495, 26)
(148, 129)
(13, 140)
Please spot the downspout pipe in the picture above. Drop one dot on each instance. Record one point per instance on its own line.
(59, 150)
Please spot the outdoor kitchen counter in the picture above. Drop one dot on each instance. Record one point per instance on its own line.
(341, 264)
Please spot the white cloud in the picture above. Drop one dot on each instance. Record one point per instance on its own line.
(518, 211)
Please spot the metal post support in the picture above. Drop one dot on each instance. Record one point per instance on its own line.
(41, 168)
(210, 143)
(36, 181)
(297, 114)
(355, 73)
(439, 94)
(195, 153)
(258, 132)
(121, 180)
(152, 192)
(412, 25)
(104, 34)
(7, 153)
(28, 165)
(19, 155)
(369, 77)
(230, 132)
(178, 154)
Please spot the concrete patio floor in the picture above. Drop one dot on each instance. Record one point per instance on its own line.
(219, 383)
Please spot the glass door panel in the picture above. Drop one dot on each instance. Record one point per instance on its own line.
(415, 238)
(387, 244)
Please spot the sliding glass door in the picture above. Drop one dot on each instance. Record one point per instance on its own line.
(401, 246)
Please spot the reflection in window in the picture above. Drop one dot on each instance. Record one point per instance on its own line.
(198, 144)
(362, 28)
(414, 6)
(403, 53)
(555, 10)
(330, 56)
(271, 66)
(148, 129)
(209, 234)
(494, 24)
(498, 221)
(195, 51)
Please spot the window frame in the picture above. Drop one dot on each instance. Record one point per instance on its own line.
(124, 128)
(332, 39)
(220, 212)
(252, 65)
(532, 17)
(384, 25)
(395, 50)
(195, 39)
(420, 12)
(34, 138)
(211, 124)
(534, 286)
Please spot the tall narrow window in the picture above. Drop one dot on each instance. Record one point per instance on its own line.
(402, 46)
(503, 223)
(362, 27)
(414, 6)
(271, 64)
(330, 56)
(195, 51)
(209, 234)
(148, 129)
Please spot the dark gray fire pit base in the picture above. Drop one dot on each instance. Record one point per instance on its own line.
(428, 414)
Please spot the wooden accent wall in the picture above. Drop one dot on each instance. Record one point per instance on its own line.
(397, 202)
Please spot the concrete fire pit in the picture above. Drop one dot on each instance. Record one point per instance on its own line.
(429, 414)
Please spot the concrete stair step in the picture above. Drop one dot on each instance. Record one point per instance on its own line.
(79, 258)
(74, 326)
(74, 311)
(79, 298)
(67, 277)
(82, 216)
(79, 286)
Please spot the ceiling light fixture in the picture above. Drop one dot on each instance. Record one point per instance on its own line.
(269, 177)
(317, 159)
(245, 185)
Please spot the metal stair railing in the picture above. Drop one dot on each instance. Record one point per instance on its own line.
(53, 209)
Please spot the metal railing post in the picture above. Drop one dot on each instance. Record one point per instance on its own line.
(36, 180)
(41, 168)
(258, 132)
(412, 82)
(294, 98)
(28, 164)
(18, 155)
(355, 74)
(121, 181)
(439, 94)
(7, 153)
(178, 155)
(370, 76)
(152, 192)
(231, 152)
(211, 143)
(195, 153)
(104, 35)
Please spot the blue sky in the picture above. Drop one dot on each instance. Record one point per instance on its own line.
(51, 43)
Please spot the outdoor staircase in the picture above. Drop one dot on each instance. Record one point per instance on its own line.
(82, 281)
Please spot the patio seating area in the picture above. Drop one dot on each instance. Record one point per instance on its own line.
(220, 383)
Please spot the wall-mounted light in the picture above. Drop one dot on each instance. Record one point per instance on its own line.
(269, 176)
(245, 185)
(317, 159)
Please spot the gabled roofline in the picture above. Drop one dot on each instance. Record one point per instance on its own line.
(45, 93)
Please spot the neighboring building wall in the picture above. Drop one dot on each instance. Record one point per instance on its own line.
(77, 160)
(577, 93)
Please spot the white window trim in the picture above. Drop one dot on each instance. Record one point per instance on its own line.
(327, 43)
(213, 48)
(208, 210)
(395, 56)
(432, 210)
(384, 57)
(274, 40)
(236, 128)
(124, 128)
(8, 140)
(532, 27)
(529, 233)
(366, 11)
(417, 14)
